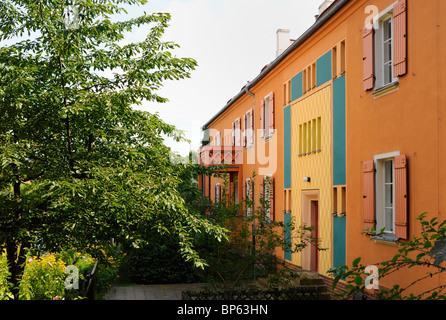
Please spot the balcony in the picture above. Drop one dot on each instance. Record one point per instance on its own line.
(218, 155)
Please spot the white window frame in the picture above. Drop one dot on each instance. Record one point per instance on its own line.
(378, 21)
(217, 192)
(249, 196)
(380, 193)
(267, 194)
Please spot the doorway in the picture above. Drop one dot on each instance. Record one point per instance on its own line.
(314, 224)
(310, 218)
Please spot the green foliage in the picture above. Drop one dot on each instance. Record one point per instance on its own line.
(43, 279)
(425, 250)
(253, 240)
(5, 284)
(78, 164)
(158, 263)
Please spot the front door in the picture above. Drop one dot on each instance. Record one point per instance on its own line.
(314, 224)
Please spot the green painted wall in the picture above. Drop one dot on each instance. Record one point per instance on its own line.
(339, 141)
(297, 86)
(287, 147)
(339, 225)
(323, 69)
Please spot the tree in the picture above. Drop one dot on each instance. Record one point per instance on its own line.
(426, 250)
(254, 239)
(79, 165)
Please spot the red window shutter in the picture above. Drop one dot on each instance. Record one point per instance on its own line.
(368, 196)
(244, 130)
(271, 111)
(400, 38)
(238, 132)
(401, 212)
(262, 118)
(252, 126)
(367, 35)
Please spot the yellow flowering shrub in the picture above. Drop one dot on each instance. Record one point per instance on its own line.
(43, 278)
(5, 292)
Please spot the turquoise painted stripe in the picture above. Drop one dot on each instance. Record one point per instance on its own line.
(287, 227)
(339, 242)
(323, 69)
(297, 86)
(339, 140)
(287, 147)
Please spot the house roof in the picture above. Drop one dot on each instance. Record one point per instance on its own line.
(321, 20)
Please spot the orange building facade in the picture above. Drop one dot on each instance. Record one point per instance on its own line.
(346, 121)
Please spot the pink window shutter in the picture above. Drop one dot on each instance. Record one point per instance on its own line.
(244, 130)
(368, 197)
(252, 126)
(233, 134)
(401, 212)
(271, 111)
(400, 38)
(262, 118)
(368, 74)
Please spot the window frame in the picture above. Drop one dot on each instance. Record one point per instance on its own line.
(379, 64)
(380, 214)
(248, 196)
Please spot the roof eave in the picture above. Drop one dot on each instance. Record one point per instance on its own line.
(296, 44)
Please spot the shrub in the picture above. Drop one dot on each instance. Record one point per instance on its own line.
(158, 263)
(5, 285)
(43, 278)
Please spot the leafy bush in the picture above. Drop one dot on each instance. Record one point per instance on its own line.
(427, 250)
(158, 263)
(5, 285)
(43, 279)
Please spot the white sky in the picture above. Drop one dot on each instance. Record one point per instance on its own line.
(231, 40)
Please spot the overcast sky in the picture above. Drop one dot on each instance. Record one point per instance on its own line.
(231, 40)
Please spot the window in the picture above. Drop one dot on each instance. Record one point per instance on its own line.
(309, 77)
(236, 133)
(286, 92)
(310, 137)
(267, 116)
(339, 201)
(384, 51)
(217, 193)
(385, 195)
(248, 196)
(338, 59)
(268, 196)
(385, 48)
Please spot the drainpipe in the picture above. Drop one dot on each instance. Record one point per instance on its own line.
(253, 187)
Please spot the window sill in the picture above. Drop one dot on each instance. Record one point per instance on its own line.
(386, 239)
(309, 153)
(384, 90)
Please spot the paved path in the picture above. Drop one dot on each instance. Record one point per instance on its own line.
(150, 292)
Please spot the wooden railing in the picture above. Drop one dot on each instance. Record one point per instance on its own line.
(217, 155)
